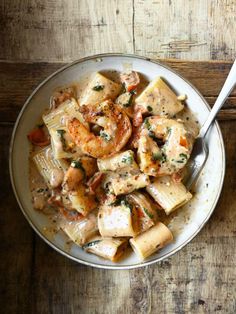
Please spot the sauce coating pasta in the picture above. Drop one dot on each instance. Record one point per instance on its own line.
(107, 159)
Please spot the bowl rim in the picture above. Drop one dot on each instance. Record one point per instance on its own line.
(53, 245)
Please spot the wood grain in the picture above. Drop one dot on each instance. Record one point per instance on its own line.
(62, 31)
(18, 80)
(185, 29)
(201, 278)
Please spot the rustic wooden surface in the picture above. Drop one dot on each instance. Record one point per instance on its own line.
(36, 37)
(62, 31)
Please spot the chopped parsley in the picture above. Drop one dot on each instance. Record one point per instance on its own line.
(129, 102)
(78, 165)
(105, 136)
(123, 89)
(147, 124)
(151, 134)
(159, 156)
(91, 244)
(127, 160)
(168, 130)
(149, 108)
(183, 158)
(183, 155)
(61, 134)
(98, 88)
(122, 201)
(148, 213)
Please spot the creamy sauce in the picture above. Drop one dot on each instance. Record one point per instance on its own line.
(56, 177)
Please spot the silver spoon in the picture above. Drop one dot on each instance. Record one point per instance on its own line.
(200, 150)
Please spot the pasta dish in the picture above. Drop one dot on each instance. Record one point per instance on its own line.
(108, 160)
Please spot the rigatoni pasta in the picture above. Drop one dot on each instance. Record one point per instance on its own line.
(169, 195)
(110, 160)
(108, 248)
(151, 240)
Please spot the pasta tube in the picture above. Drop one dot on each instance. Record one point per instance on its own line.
(147, 215)
(82, 230)
(99, 89)
(108, 248)
(118, 220)
(49, 167)
(151, 240)
(118, 161)
(158, 99)
(58, 117)
(127, 180)
(169, 194)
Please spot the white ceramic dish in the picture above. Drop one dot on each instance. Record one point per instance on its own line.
(189, 220)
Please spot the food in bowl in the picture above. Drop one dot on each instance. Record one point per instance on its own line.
(108, 159)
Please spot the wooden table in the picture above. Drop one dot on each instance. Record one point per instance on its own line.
(36, 37)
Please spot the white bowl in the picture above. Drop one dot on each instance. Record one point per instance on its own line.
(189, 221)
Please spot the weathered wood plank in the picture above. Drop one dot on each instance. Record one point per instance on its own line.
(185, 29)
(17, 241)
(63, 31)
(199, 279)
(66, 30)
(18, 80)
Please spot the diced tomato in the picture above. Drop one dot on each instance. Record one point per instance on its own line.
(38, 137)
(140, 213)
(183, 141)
(130, 80)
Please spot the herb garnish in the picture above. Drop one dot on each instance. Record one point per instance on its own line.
(147, 124)
(98, 88)
(147, 212)
(129, 102)
(91, 244)
(151, 134)
(159, 156)
(127, 160)
(78, 165)
(149, 108)
(105, 136)
(122, 201)
(183, 155)
(62, 138)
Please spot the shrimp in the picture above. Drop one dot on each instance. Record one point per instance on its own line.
(78, 171)
(114, 133)
(164, 146)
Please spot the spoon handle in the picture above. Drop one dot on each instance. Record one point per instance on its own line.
(224, 93)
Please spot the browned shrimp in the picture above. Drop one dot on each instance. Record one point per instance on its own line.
(114, 133)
